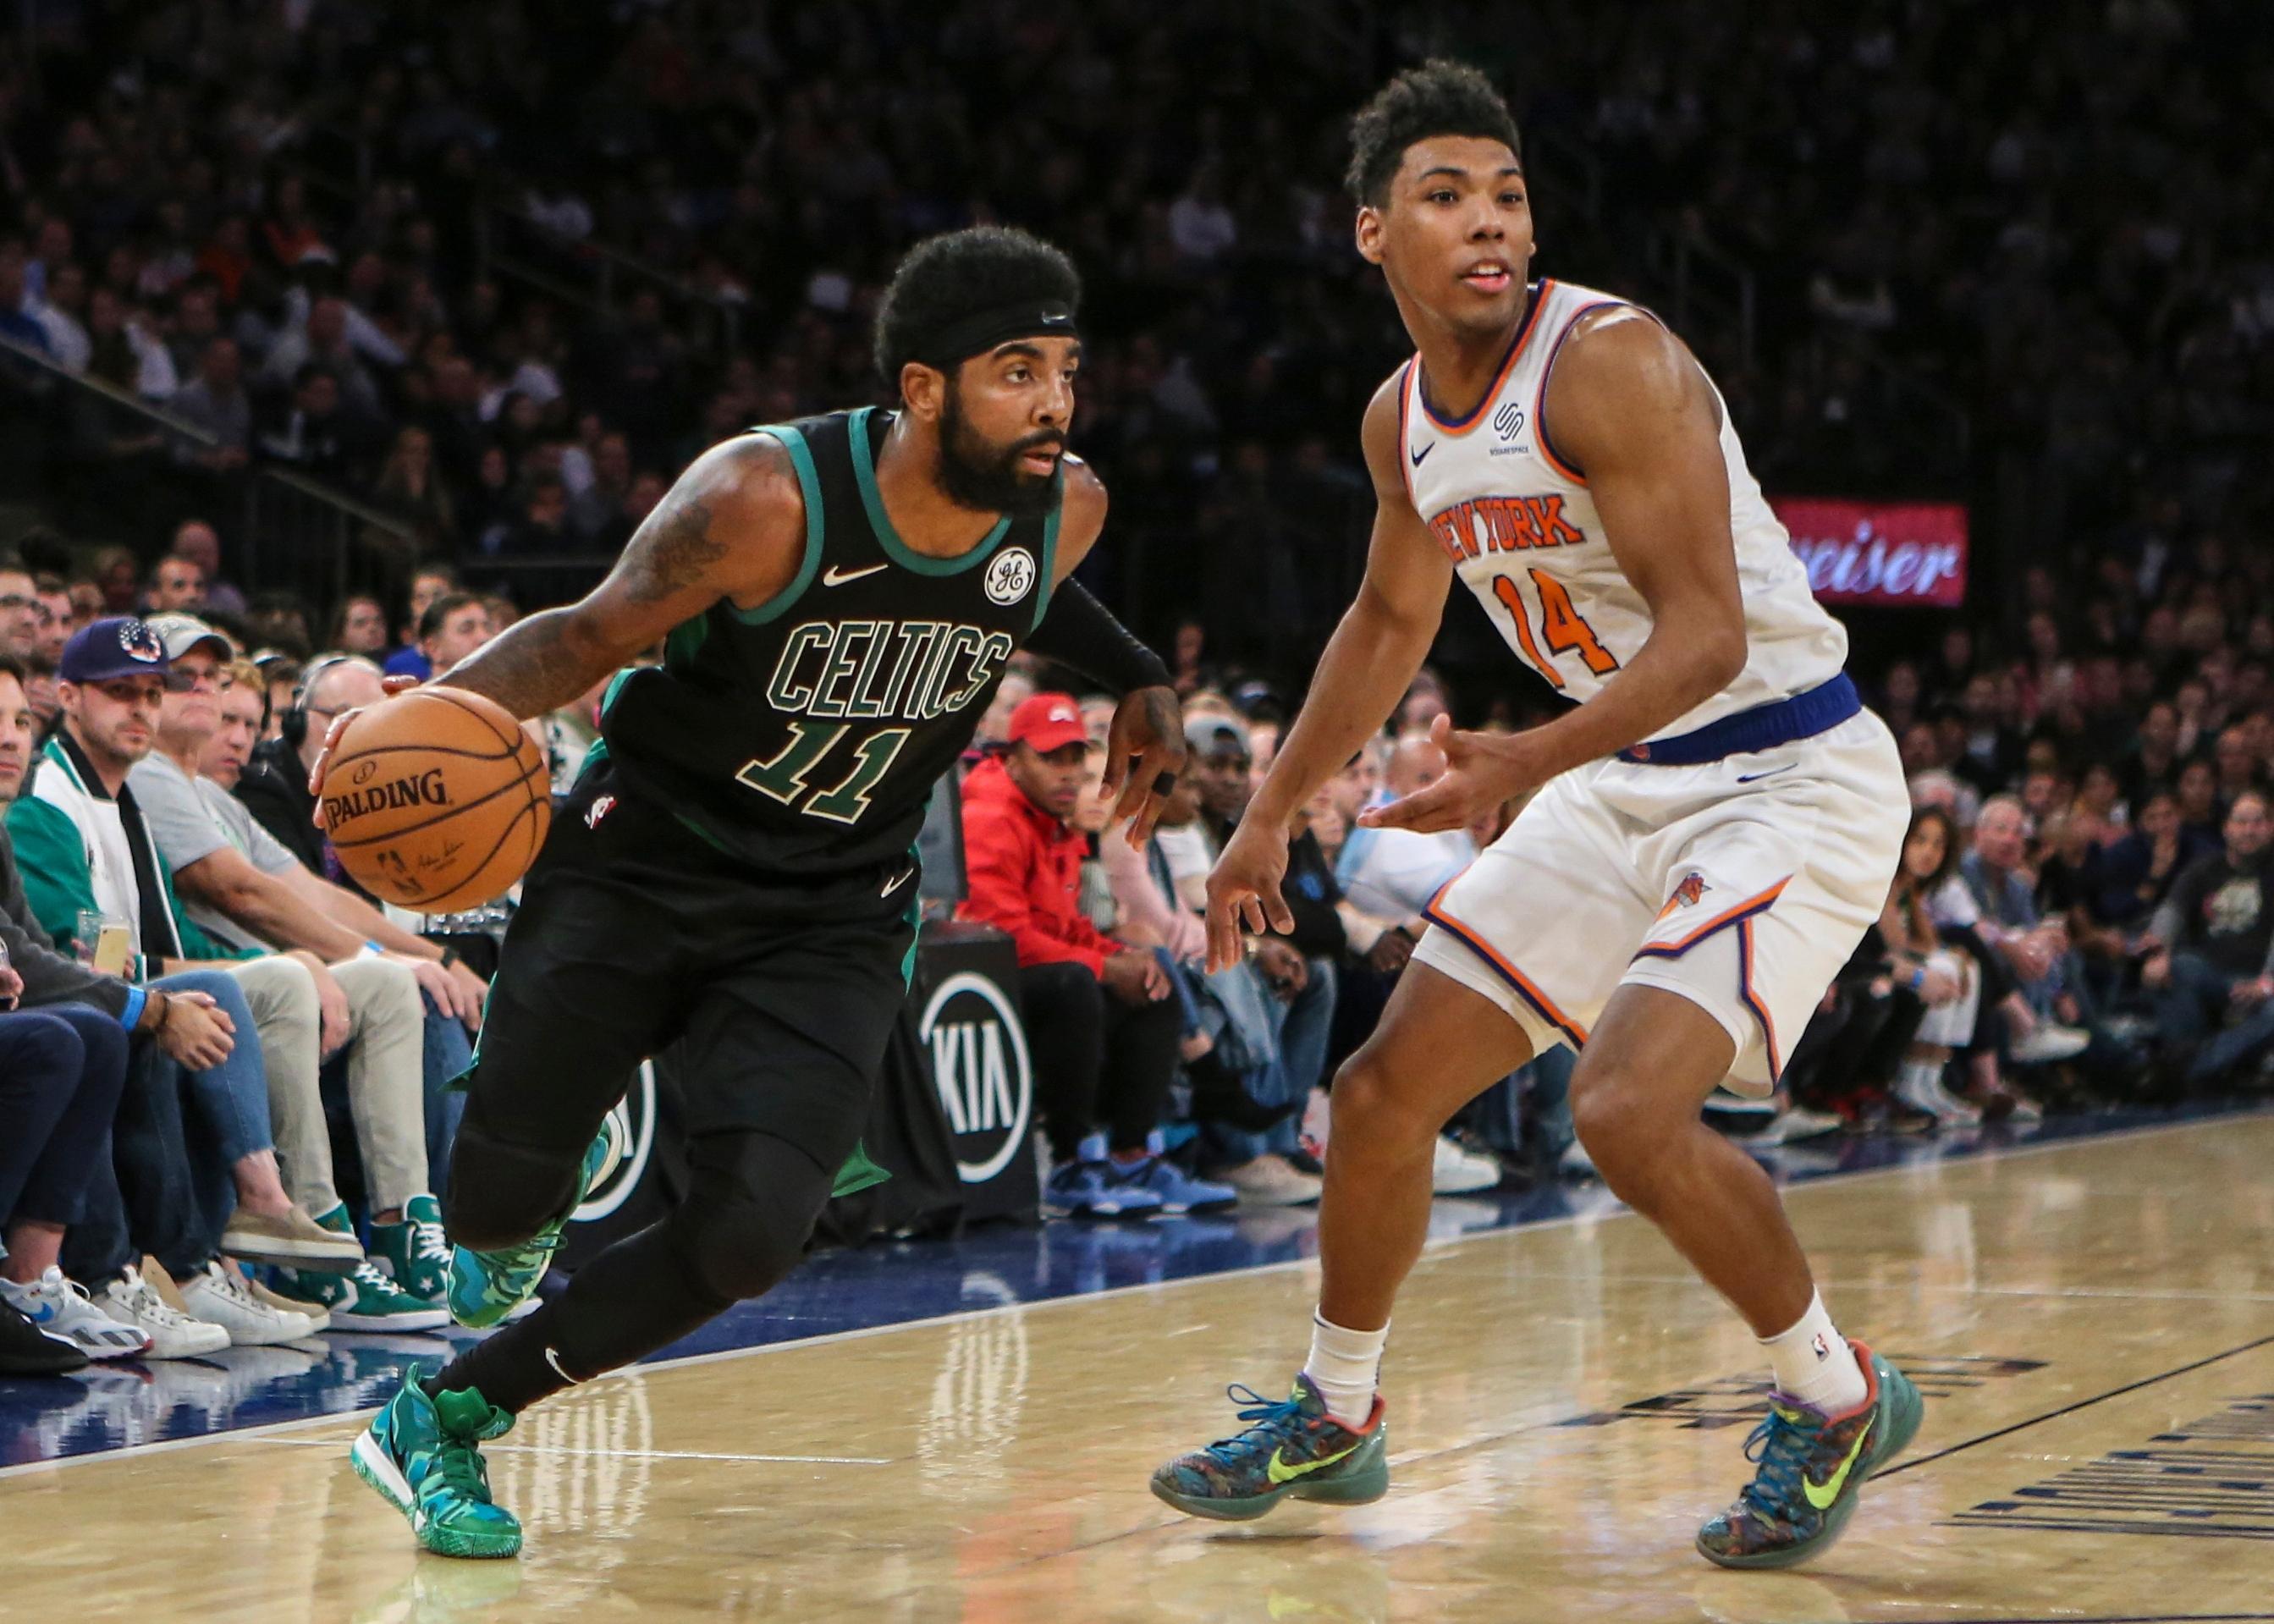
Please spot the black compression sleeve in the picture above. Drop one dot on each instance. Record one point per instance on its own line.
(1079, 631)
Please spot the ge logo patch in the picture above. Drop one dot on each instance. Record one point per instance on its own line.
(979, 1065)
(1508, 421)
(1011, 577)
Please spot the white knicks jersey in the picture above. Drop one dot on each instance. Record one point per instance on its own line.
(1521, 528)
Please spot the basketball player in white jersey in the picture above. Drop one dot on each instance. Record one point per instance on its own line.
(1715, 822)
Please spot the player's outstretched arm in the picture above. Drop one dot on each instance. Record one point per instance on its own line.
(1368, 664)
(1632, 408)
(734, 526)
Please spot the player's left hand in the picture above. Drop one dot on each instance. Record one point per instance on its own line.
(1144, 752)
(1481, 771)
(394, 685)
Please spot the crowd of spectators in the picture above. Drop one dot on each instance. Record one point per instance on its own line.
(356, 242)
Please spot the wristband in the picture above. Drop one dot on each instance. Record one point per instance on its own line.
(165, 1013)
(451, 959)
(1077, 630)
(372, 950)
(1918, 978)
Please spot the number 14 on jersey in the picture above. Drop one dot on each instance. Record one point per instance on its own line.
(1562, 626)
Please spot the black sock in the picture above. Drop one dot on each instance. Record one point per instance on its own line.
(636, 1296)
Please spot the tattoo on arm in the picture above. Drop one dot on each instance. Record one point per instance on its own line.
(672, 548)
(531, 668)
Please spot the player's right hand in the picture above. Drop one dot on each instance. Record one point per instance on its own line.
(394, 686)
(1243, 891)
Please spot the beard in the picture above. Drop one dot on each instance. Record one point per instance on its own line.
(986, 477)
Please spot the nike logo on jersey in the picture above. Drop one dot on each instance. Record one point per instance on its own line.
(1425, 451)
(834, 576)
(896, 882)
(1748, 778)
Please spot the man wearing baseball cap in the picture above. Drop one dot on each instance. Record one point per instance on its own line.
(1101, 1026)
(83, 847)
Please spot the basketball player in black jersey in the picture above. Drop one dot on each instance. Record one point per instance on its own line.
(734, 870)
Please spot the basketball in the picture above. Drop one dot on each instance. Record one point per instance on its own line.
(437, 800)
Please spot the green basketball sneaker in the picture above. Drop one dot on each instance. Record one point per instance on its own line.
(365, 1298)
(1811, 1467)
(1293, 1448)
(414, 1250)
(423, 1455)
(484, 1286)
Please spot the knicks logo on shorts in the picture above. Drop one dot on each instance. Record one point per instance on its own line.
(1687, 894)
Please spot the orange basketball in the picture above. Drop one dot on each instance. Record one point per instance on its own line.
(436, 801)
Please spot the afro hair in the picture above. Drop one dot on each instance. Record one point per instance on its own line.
(1438, 98)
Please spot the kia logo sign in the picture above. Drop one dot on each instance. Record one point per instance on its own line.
(1891, 554)
(979, 1065)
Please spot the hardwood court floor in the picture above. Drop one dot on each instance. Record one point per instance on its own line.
(2095, 1322)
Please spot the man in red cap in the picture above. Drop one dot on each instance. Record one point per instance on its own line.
(1101, 1024)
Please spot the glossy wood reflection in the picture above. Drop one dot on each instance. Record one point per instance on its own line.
(2095, 1322)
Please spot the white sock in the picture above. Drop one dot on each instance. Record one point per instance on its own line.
(1813, 1363)
(1345, 1366)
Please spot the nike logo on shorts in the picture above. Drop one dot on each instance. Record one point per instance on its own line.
(1747, 777)
(834, 576)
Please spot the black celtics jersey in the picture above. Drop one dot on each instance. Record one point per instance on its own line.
(805, 736)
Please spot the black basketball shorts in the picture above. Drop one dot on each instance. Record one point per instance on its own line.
(636, 934)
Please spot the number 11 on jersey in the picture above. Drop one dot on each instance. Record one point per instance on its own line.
(783, 776)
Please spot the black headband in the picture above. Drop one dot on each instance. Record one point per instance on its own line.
(957, 341)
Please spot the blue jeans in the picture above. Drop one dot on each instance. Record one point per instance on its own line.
(62, 1068)
(1303, 1025)
(2195, 1004)
(164, 1187)
(449, 1054)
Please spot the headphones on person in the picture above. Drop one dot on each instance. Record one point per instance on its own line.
(292, 727)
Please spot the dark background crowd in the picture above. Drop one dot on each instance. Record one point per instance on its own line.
(307, 302)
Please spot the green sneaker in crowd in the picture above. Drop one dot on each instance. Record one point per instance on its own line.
(413, 1251)
(363, 1298)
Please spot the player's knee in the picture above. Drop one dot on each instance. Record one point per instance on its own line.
(1619, 1126)
(501, 1192)
(749, 1212)
(1370, 1110)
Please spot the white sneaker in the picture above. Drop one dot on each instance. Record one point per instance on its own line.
(1795, 1123)
(1922, 1089)
(173, 1334)
(218, 1295)
(318, 1316)
(2048, 1042)
(1318, 1120)
(62, 1308)
(1270, 1181)
(1455, 1169)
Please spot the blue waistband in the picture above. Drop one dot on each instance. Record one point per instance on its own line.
(1764, 727)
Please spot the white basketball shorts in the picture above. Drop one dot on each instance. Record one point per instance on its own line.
(1743, 884)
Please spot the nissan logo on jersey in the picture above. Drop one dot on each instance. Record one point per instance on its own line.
(980, 1066)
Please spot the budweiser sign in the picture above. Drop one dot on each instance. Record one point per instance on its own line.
(1901, 554)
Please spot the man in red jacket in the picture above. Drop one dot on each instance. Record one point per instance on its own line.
(1101, 1026)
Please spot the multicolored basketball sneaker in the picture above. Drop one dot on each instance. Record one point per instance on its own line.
(1293, 1448)
(1811, 1467)
(423, 1457)
(486, 1287)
